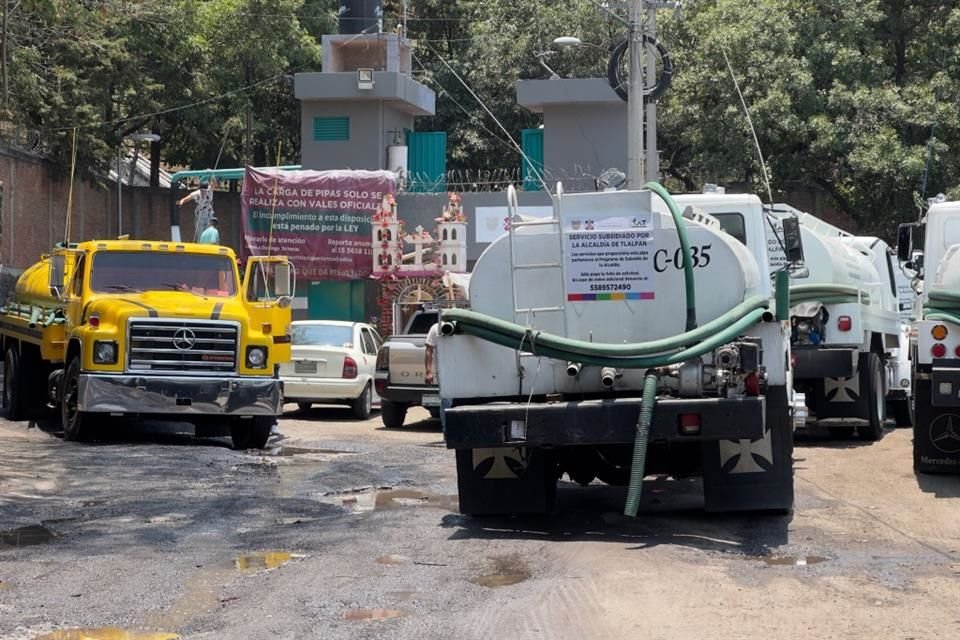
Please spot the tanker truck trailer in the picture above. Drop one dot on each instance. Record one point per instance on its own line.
(931, 250)
(593, 348)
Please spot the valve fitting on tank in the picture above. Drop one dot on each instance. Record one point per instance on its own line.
(609, 375)
(573, 369)
(447, 328)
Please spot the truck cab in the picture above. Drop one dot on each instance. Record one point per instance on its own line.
(151, 329)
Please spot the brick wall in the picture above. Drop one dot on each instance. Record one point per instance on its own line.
(34, 206)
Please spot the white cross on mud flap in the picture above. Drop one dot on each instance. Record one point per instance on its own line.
(842, 389)
(747, 454)
(508, 462)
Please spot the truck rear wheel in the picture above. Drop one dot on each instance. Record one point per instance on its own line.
(871, 379)
(251, 434)
(393, 414)
(76, 423)
(12, 385)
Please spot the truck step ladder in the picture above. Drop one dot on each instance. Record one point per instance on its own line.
(525, 303)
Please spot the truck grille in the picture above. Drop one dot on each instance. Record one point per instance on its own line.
(184, 346)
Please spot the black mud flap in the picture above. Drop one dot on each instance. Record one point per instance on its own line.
(843, 397)
(936, 433)
(505, 481)
(753, 475)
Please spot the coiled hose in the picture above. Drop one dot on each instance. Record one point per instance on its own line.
(639, 463)
(827, 294)
(943, 305)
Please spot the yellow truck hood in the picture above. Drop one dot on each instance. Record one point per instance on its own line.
(115, 309)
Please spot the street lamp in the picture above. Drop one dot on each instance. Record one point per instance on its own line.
(136, 138)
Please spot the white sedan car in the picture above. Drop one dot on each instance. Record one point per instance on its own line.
(332, 363)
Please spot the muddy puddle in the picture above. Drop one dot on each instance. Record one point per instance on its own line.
(202, 592)
(107, 633)
(27, 536)
(506, 570)
(792, 561)
(384, 498)
(372, 614)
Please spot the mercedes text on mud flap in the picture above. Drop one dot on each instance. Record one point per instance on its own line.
(930, 250)
(149, 329)
(610, 356)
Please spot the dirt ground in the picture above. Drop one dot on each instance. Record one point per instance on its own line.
(343, 529)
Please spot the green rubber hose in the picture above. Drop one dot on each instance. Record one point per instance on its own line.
(827, 293)
(689, 288)
(638, 465)
(944, 306)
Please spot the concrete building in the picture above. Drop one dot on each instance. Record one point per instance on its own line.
(362, 102)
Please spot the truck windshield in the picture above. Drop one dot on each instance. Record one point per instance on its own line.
(321, 335)
(125, 271)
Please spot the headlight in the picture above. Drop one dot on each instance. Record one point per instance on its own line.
(257, 357)
(105, 352)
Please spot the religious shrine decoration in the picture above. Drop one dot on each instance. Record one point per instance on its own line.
(443, 250)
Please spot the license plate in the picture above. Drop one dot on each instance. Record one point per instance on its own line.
(430, 401)
(305, 367)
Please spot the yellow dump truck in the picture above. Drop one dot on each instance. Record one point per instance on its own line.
(159, 330)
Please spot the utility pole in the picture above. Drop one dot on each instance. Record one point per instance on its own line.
(653, 158)
(635, 99)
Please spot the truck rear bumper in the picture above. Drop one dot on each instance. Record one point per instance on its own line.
(595, 422)
(180, 395)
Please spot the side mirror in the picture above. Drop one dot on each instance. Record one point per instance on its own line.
(58, 274)
(792, 240)
(905, 241)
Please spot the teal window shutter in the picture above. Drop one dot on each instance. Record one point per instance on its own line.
(427, 161)
(532, 168)
(331, 129)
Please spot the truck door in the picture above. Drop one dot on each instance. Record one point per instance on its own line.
(268, 290)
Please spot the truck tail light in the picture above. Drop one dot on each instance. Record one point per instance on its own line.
(349, 367)
(689, 424)
(844, 323)
(751, 384)
(956, 352)
(380, 384)
(938, 350)
(939, 332)
(383, 359)
(94, 321)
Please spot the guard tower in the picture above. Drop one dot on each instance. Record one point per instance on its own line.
(362, 101)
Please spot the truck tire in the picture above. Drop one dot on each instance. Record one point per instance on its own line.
(77, 425)
(902, 410)
(871, 379)
(393, 414)
(362, 407)
(251, 434)
(13, 385)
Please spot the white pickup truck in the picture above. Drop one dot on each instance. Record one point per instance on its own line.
(399, 377)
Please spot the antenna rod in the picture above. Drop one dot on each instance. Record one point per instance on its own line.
(635, 100)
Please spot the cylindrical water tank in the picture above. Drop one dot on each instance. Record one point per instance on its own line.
(834, 261)
(360, 16)
(397, 162)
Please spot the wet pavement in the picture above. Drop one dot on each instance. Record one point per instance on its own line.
(344, 529)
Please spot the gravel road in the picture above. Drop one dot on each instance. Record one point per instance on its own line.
(343, 529)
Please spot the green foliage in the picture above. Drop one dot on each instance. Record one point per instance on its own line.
(858, 97)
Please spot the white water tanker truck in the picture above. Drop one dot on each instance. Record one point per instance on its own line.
(931, 249)
(614, 340)
(848, 346)
(846, 330)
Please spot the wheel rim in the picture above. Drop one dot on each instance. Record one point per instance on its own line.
(367, 401)
(880, 399)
